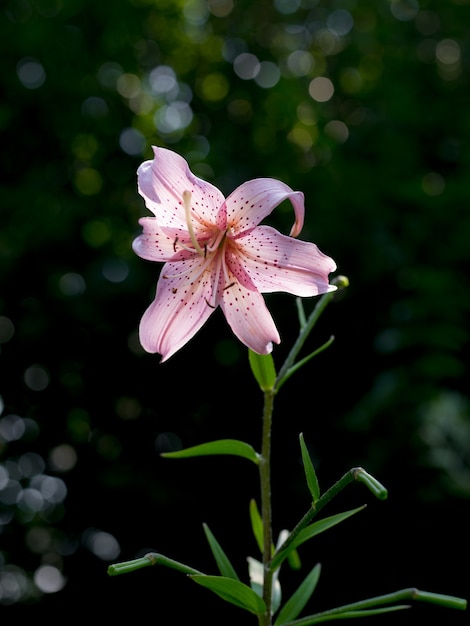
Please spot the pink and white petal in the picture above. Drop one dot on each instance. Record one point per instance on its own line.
(162, 181)
(160, 244)
(249, 318)
(276, 262)
(179, 310)
(252, 201)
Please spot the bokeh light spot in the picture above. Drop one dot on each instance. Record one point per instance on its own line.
(300, 62)
(337, 130)
(36, 377)
(62, 458)
(220, 8)
(214, 87)
(102, 544)
(287, 7)
(128, 85)
(13, 584)
(7, 329)
(96, 233)
(167, 442)
(404, 10)
(88, 181)
(115, 270)
(12, 427)
(173, 117)
(240, 110)
(321, 89)
(72, 284)
(301, 137)
(268, 75)
(30, 73)
(128, 408)
(49, 579)
(196, 12)
(95, 107)
(350, 80)
(246, 66)
(433, 184)
(340, 22)
(132, 141)
(448, 52)
(30, 464)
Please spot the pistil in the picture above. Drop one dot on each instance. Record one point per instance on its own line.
(192, 235)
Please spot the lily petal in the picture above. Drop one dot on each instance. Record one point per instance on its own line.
(179, 310)
(159, 244)
(162, 181)
(276, 262)
(249, 318)
(252, 201)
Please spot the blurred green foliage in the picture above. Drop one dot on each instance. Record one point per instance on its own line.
(361, 104)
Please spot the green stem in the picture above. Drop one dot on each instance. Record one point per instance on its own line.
(398, 596)
(356, 473)
(152, 558)
(306, 326)
(266, 514)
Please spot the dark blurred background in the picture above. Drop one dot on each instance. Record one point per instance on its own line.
(361, 104)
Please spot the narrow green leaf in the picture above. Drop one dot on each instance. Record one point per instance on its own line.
(222, 446)
(262, 366)
(299, 599)
(310, 475)
(311, 531)
(222, 560)
(233, 591)
(330, 616)
(256, 524)
(293, 559)
(293, 368)
(325, 524)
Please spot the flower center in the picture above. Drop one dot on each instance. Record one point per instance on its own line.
(211, 251)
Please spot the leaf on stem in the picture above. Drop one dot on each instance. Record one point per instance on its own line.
(311, 531)
(299, 599)
(222, 560)
(222, 446)
(325, 524)
(256, 524)
(330, 616)
(262, 366)
(310, 475)
(296, 366)
(233, 591)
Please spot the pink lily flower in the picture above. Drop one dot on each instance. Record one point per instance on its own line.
(216, 254)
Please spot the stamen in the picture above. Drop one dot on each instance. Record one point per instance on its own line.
(217, 242)
(187, 210)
